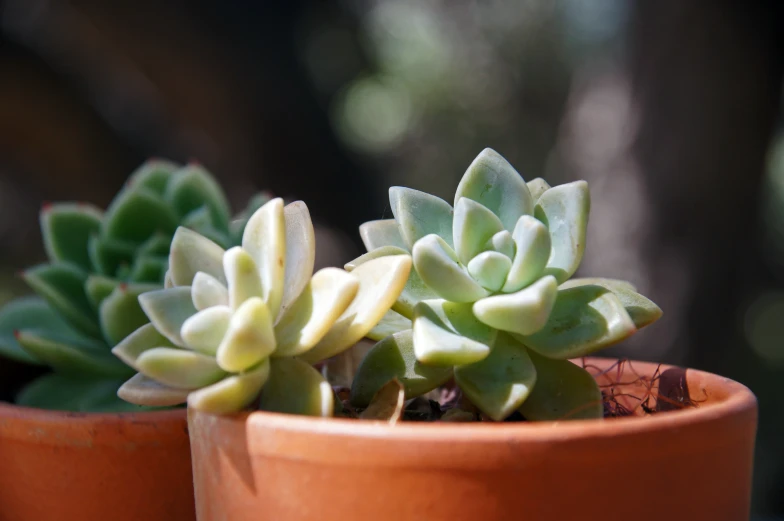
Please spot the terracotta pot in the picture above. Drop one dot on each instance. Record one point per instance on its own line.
(690, 464)
(59, 466)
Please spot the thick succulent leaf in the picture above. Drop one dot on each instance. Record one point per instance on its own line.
(524, 312)
(191, 253)
(98, 287)
(71, 355)
(200, 221)
(394, 358)
(27, 313)
(537, 187)
(564, 210)
(148, 269)
(448, 333)
(168, 309)
(205, 330)
(232, 394)
(563, 391)
(502, 242)
(207, 291)
(642, 310)
(501, 382)
(62, 286)
(156, 246)
(437, 265)
(265, 240)
(141, 390)
(167, 280)
(120, 312)
(294, 387)
(415, 289)
(108, 255)
(473, 226)
(300, 251)
(380, 284)
(242, 276)
(387, 404)
(141, 340)
(153, 175)
(392, 322)
(308, 319)
(66, 230)
(532, 251)
(491, 181)
(136, 214)
(583, 320)
(238, 223)
(59, 392)
(192, 187)
(249, 339)
(419, 214)
(490, 269)
(380, 233)
(179, 368)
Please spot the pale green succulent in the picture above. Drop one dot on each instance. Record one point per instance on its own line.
(248, 322)
(489, 300)
(99, 262)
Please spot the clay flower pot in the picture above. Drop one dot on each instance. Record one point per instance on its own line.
(60, 466)
(689, 464)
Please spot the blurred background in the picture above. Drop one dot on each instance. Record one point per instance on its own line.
(671, 110)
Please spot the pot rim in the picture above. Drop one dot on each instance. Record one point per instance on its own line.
(738, 401)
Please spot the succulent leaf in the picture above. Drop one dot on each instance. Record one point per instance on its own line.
(66, 230)
(157, 245)
(141, 340)
(380, 283)
(191, 253)
(387, 404)
(563, 391)
(70, 355)
(208, 291)
(193, 187)
(564, 210)
(391, 323)
(537, 187)
(120, 313)
(27, 313)
(136, 214)
(584, 319)
(501, 382)
(108, 255)
(233, 393)
(179, 368)
(448, 333)
(265, 240)
(242, 276)
(502, 242)
(300, 251)
(524, 312)
(205, 330)
(641, 309)
(490, 269)
(168, 309)
(437, 265)
(419, 214)
(533, 247)
(98, 288)
(80, 393)
(491, 181)
(380, 233)
(141, 390)
(153, 175)
(327, 295)
(473, 226)
(394, 358)
(62, 286)
(294, 387)
(249, 339)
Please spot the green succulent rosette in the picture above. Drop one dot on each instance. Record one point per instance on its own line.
(489, 300)
(99, 263)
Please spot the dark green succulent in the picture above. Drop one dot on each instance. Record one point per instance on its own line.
(99, 262)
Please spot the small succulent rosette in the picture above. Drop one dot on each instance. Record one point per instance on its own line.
(245, 325)
(489, 302)
(99, 262)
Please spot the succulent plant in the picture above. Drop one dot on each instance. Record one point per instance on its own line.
(248, 322)
(98, 265)
(489, 300)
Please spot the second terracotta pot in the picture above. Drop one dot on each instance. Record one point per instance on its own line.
(690, 464)
(60, 466)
